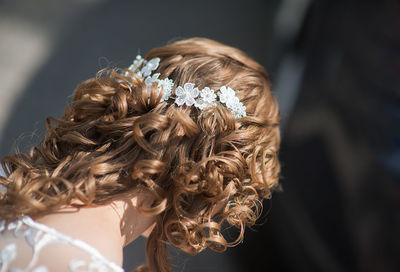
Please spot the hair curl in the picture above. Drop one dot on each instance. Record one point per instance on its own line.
(115, 138)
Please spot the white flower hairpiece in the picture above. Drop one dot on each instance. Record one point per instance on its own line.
(187, 94)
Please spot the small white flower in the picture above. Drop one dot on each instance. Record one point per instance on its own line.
(135, 65)
(186, 95)
(149, 67)
(208, 95)
(226, 94)
(207, 98)
(238, 110)
(150, 80)
(167, 84)
(232, 102)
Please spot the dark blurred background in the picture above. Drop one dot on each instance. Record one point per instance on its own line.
(334, 67)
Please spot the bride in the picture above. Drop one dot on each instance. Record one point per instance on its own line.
(173, 147)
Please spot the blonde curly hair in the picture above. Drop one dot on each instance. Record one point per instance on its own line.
(116, 138)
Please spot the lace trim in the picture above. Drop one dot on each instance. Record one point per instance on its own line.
(49, 235)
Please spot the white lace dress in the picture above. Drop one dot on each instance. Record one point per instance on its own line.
(26, 245)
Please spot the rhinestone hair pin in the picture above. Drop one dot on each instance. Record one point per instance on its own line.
(188, 94)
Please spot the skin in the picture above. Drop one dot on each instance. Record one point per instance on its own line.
(108, 228)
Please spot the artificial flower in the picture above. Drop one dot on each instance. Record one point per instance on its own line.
(186, 95)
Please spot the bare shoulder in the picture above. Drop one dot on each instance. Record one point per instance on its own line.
(91, 227)
(59, 242)
(30, 249)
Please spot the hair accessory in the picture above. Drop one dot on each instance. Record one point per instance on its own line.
(188, 94)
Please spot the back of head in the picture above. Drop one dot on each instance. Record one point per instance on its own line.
(203, 167)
